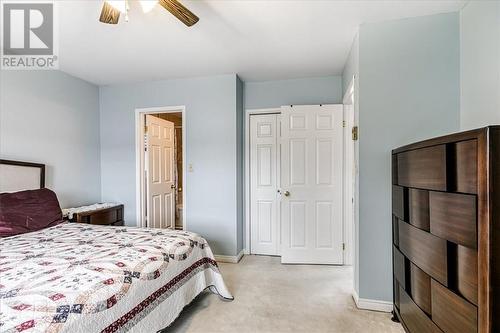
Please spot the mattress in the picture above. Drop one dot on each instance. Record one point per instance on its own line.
(87, 278)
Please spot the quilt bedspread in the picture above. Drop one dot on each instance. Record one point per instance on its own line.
(85, 278)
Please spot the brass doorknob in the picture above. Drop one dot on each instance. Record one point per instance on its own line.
(286, 193)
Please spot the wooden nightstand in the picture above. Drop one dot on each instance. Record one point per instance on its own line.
(106, 216)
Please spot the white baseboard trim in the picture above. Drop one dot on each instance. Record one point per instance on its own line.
(371, 304)
(230, 259)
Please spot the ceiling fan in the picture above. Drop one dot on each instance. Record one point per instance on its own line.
(112, 9)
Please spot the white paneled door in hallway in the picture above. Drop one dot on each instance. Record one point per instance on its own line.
(311, 184)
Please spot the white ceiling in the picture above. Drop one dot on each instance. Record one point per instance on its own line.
(259, 40)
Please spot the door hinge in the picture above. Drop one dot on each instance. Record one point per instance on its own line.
(355, 133)
(343, 123)
(343, 246)
(145, 128)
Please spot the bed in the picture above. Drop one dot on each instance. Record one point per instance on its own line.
(88, 278)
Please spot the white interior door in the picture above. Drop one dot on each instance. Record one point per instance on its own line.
(311, 184)
(160, 161)
(264, 177)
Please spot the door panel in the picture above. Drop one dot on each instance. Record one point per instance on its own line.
(324, 157)
(311, 184)
(168, 160)
(324, 214)
(265, 165)
(155, 215)
(298, 224)
(264, 229)
(160, 162)
(297, 161)
(298, 121)
(265, 221)
(155, 165)
(169, 202)
(324, 122)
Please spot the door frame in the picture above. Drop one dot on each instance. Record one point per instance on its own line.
(350, 188)
(139, 159)
(350, 242)
(248, 113)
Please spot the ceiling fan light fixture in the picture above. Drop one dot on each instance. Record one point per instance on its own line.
(111, 10)
(120, 5)
(148, 5)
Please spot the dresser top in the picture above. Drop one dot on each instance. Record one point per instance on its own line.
(454, 137)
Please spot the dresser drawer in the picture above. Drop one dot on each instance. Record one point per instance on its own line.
(420, 288)
(425, 250)
(396, 293)
(395, 231)
(423, 168)
(453, 217)
(467, 273)
(394, 169)
(106, 216)
(399, 267)
(466, 166)
(399, 202)
(414, 318)
(419, 208)
(451, 312)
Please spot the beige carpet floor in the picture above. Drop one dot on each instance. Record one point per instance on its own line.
(270, 297)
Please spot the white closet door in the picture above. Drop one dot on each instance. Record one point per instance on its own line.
(311, 184)
(160, 173)
(264, 229)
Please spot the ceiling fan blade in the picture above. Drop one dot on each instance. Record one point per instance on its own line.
(109, 14)
(179, 11)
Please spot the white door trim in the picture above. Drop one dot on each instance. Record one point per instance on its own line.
(139, 158)
(348, 192)
(248, 113)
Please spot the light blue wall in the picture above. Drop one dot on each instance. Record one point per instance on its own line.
(53, 118)
(480, 64)
(274, 94)
(408, 91)
(215, 146)
(271, 94)
(211, 147)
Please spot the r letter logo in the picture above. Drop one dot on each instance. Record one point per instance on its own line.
(28, 36)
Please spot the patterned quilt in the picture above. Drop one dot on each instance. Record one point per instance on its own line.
(85, 278)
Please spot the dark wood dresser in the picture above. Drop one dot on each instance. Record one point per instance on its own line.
(446, 233)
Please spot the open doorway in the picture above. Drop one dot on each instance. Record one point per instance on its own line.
(160, 157)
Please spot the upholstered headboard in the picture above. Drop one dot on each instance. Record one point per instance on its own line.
(19, 176)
